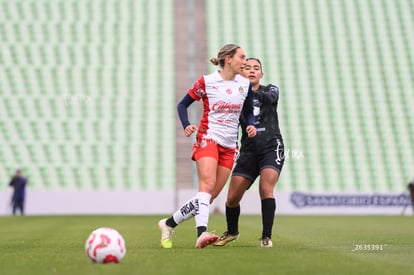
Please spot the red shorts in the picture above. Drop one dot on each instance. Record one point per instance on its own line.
(209, 148)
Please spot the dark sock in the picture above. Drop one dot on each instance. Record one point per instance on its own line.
(232, 217)
(268, 216)
(200, 230)
(170, 222)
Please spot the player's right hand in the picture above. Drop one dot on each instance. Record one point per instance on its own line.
(189, 130)
(251, 131)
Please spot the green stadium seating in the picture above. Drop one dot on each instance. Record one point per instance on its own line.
(86, 100)
(345, 71)
(82, 104)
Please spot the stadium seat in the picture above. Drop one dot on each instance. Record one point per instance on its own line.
(343, 69)
(82, 96)
(79, 87)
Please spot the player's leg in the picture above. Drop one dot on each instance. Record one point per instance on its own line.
(225, 165)
(198, 207)
(243, 175)
(14, 203)
(167, 225)
(206, 160)
(270, 167)
(238, 186)
(206, 170)
(21, 206)
(268, 180)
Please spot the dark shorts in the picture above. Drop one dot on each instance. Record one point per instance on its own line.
(249, 166)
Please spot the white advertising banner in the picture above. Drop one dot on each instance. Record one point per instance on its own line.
(343, 203)
(309, 203)
(166, 202)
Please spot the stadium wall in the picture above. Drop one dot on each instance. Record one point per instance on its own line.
(165, 202)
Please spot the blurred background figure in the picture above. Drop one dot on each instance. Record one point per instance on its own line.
(18, 182)
(410, 187)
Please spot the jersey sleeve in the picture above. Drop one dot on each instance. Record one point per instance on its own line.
(270, 94)
(248, 107)
(198, 90)
(182, 109)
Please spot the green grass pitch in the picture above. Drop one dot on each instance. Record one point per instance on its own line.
(301, 245)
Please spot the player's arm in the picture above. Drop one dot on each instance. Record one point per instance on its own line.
(248, 113)
(182, 107)
(195, 93)
(269, 95)
(183, 115)
(12, 181)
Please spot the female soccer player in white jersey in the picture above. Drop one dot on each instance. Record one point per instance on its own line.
(262, 155)
(226, 95)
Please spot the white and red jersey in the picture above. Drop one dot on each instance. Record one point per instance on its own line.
(222, 103)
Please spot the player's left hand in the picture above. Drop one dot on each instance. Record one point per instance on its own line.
(251, 131)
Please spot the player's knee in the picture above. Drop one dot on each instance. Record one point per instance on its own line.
(232, 201)
(266, 192)
(231, 204)
(207, 185)
(214, 195)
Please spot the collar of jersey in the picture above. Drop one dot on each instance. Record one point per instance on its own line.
(218, 77)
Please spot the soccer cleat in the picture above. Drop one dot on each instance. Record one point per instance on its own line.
(266, 242)
(206, 239)
(226, 238)
(166, 234)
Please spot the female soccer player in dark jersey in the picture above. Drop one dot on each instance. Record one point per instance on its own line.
(262, 155)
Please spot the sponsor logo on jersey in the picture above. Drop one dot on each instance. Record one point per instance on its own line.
(201, 93)
(225, 121)
(256, 111)
(226, 107)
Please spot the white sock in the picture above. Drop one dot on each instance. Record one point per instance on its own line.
(187, 210)
(201, 217)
